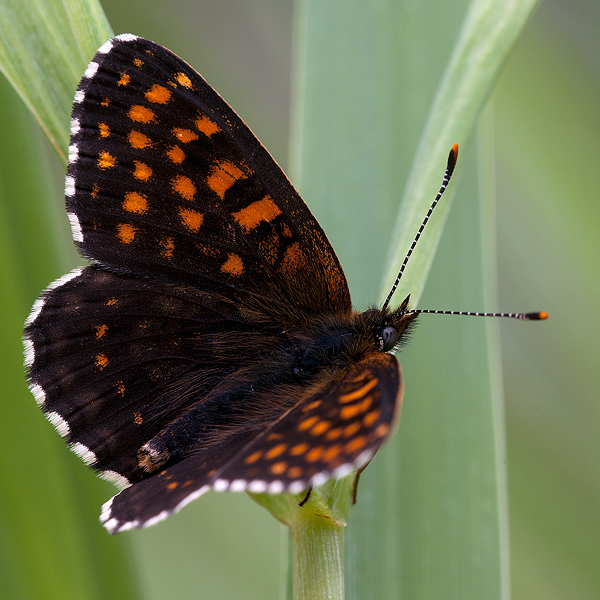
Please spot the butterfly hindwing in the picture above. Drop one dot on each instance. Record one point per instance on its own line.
(115, 359)
(105, 351)
(336, 426)
(165, 180)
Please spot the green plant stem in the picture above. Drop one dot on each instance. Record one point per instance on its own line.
(318, 559)
(317, 535)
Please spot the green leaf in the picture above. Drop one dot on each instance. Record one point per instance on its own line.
(548, 123)
(487, 34)
(45, 46)
(547, 130)
(52, 544)
(431, 518)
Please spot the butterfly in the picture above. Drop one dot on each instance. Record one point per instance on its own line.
(211, 342)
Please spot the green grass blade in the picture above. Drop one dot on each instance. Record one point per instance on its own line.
(49, 527)
(546, 128)
(44, 48)
(548, 124)
(487, 34)
(431, 518)
(52, 544)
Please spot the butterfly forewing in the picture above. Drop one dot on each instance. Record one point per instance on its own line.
(165, 180)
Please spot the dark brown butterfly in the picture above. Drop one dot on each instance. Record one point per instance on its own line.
(211, 343)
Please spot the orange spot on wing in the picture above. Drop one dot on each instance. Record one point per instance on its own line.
(275, 451)
(124, 79)
(138, 140)
(105, 102)
(184, 135)
(101, 361)
(257, 212)
(121, 389)
(359, 393)
(172, 485)
(207, 126)
(142, 171)
(191, 219)
(126, 232)
(252, 458)
(100, 330)
(320, 428)
(350, 411)
(158, 94)
(184, 80)
(293, 260)
(356, 444)
(222, 176)
(104, 130)
(333, 434)
(278, 468)
(351, 429)
(184, 187)
(233, 265)
(135, 203)
(141, 114)
(176, 154)
(112, 302)
(371, 417)
(294, 472)
(307, 423)
(137, 418)
(138, 63)
(314, 404)
(167, 247)
(382, 430)
(332, 452)
(314, 454)
(106, 160)
(299, 449)
(95, 190)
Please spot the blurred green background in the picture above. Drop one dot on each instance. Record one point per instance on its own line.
(545, 111)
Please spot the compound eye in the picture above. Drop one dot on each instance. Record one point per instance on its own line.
(389, 337)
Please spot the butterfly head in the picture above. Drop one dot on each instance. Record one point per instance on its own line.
(390, 327)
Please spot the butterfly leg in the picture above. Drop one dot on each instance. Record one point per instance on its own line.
(355, 484)
(306, 497)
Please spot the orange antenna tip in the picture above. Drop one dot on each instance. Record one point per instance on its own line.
(536, 316)
(452, 158)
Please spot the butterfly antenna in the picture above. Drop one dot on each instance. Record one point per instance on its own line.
(452, 157)
(534, 316)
